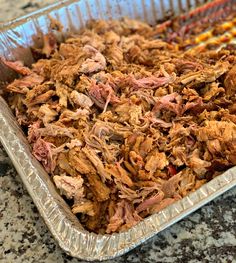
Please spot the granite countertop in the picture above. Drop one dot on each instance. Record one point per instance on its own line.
(208, 235)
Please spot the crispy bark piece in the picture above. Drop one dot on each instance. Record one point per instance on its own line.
(99, 189)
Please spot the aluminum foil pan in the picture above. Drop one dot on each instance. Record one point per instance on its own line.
(16, 38)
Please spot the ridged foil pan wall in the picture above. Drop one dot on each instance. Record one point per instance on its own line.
(16, 38)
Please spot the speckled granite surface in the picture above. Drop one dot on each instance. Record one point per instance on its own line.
(208, 235)
(10, 9)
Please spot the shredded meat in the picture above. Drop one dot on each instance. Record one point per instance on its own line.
(42, 150)
(22, 85)
(49, 44)
(96, 63)
(126, 122)
(84, 207)
(69, 186)
(17, 66)
(230, 82)
(80, 99)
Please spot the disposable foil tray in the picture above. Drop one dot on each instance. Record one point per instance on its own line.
(16, 38)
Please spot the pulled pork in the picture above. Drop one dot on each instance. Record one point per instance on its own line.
(124, 122)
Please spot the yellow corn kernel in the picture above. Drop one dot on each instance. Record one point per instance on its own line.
(227, 25)
(203, 37)
(233, 32)
(225, 38)
(234, 21)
